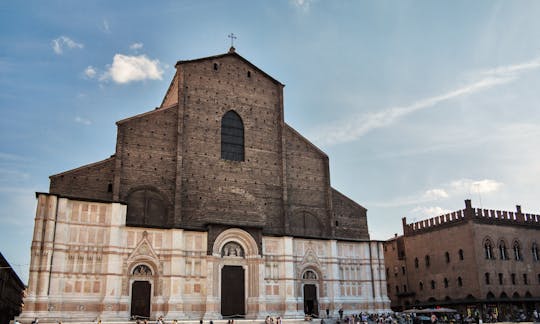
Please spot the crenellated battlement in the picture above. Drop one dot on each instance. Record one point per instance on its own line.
(470, 213)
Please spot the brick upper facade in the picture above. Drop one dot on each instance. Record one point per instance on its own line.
(168, 168)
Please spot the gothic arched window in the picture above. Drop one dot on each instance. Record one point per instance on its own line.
(502, 251)
(517, 251)
(534, 251)
(232, 137)
(488, 249)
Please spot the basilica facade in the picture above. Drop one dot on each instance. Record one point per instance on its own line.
(211, 207)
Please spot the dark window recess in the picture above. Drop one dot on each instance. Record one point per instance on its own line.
(525, 279)
(460, 281)
(232, 137)
(337, 223)
(216, 66)
(461, 254)
(447, 256)
(249, 74)
(500, 278)
(486, 277)
(109, 187)
(445, 283)
(513, 278)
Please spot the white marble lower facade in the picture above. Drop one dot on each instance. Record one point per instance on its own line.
(86, 265)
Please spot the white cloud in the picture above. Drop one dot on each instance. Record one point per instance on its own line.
(90, 72)
(83, 121)
(423, 212)
(125, 69)
(136, 46)
(456, 188)
(62, 42)
(302, 4)
(479, 186)
(358, 125)
(433, 194)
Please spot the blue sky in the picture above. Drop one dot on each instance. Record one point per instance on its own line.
(419, 104)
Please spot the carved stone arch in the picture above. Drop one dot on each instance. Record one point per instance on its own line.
(305, 223)
(133, 269)
(241, 237)
(147, 206)
(487, 239)
(310, 269)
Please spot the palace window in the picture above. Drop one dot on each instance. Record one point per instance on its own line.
(486, 277)
(534, 251)
(525, 279)
(447, 256)
(517, 251)
(416, 263)
(445, 283)
(232, 137)
(500, 278)
(427, 261)
(402, 270)
(488, 250)
(460, 254)
(460, 282)
(502, 251)
(513, 278)
(432, 284)
(421, 285)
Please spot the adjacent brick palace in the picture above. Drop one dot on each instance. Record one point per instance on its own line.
(212, 206)
(478, 260)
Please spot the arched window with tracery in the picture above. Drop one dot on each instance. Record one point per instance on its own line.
(534, 250)
(232, 137)
(488, 249)
(517, 251)
(502, 251)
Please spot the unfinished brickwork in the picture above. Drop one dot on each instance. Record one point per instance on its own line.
(174, 154)
(212, 206)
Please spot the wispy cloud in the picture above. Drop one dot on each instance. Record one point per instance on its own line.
(358, 125)
(431, 211)
(125, 69)
(83, 121)
(136, 46)
(304, 5)
(105, 26)
(62, 42)
(455, 188)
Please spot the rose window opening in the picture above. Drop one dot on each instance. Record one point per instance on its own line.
(232, 249)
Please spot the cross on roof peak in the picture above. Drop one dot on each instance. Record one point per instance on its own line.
(232, 37)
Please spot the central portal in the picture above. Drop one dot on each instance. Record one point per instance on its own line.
(311, 307)
(140, 299)
(232, 292)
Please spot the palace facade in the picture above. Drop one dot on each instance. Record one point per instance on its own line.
(480, 261)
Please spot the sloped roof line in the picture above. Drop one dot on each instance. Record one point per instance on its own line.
(230, 53)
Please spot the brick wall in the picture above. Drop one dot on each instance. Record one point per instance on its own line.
(175, 152)
(91, 181)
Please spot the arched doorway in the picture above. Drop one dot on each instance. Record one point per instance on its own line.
(141, 291)
(233, 282)
(311, 304)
